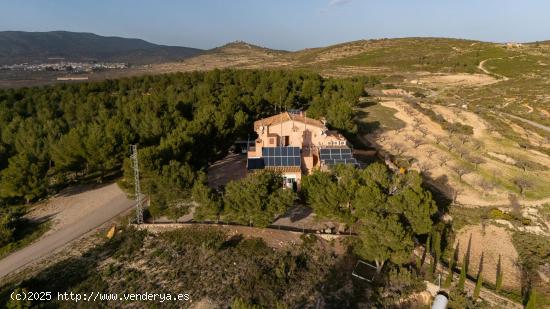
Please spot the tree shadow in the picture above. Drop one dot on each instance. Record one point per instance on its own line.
(81, 188)
(441, 192)
(25, 227)
(298, 213)
(365, 127)
(79, 273)
(340, 289)
(232, 242)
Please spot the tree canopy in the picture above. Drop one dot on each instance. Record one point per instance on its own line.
(52, 136)
(257, 199)
(390, 208)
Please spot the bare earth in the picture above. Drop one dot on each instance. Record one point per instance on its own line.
(430, 152)
(492, 242)
(454, 80)
(75, 212)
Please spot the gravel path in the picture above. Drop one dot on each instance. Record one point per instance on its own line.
(88, 210)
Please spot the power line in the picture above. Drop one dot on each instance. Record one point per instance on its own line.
(139, 202)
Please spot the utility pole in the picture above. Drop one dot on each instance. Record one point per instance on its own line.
(137, 190)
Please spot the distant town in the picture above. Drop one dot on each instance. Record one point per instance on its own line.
(65, 66)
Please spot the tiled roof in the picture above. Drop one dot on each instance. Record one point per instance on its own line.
(282, 117)
(284, 169)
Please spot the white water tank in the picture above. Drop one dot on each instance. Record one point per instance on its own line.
(440, 301)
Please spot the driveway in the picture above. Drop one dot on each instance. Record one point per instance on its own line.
(75, 212)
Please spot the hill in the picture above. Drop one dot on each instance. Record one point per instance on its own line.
(31, 47)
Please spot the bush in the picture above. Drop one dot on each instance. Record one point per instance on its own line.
(497, 214)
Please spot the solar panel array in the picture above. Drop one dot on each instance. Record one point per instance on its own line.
(255, 163)
(332, 156)
(281, 156)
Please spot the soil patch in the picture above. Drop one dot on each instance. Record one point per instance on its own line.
(491, 241)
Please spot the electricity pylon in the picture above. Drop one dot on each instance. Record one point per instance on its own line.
(139, 202)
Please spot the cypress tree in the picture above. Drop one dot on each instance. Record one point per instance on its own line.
(466, 260)
(452, 264)
(449, 278)
(462, 278)
(436, 244)
(479, 283)
(427, 249)
(532, 302)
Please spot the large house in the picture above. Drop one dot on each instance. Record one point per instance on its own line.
(293, 144)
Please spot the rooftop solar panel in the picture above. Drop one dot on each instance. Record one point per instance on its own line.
(281, 156)
(255, 163)
(339, 155)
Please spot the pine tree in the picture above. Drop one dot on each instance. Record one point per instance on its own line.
(500, 275)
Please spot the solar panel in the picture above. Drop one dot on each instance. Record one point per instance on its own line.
(339, 155)
(281, 156)
(255, 163)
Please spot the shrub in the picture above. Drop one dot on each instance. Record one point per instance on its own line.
(498, 214)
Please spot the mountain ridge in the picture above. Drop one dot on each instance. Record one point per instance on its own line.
(30, 47)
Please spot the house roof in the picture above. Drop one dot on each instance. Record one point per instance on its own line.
(286, 116)
(284, 169)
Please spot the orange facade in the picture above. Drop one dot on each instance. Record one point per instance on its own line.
(294, 130)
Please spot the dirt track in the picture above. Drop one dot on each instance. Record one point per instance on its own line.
(75, 213)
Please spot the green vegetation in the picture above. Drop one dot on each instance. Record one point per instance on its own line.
(372, 116)
(479, 282)
(461, 300)
(532, 300)
(452, 264)
(500, 275)
(204, 262)
(53, 136)
(16, 231)
(534, 254)
(428, 54)
(390, 209)
(452, 127)
(255, 200)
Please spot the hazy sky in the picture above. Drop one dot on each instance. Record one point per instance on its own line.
(283, 24)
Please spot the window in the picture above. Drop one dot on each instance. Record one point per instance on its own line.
(271, 141)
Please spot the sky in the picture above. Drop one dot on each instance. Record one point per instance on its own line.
(283, 24)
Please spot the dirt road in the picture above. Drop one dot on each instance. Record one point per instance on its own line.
(534, 124)
(481, 66)
(109, 201)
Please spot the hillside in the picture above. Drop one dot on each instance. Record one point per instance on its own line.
(33, 47)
